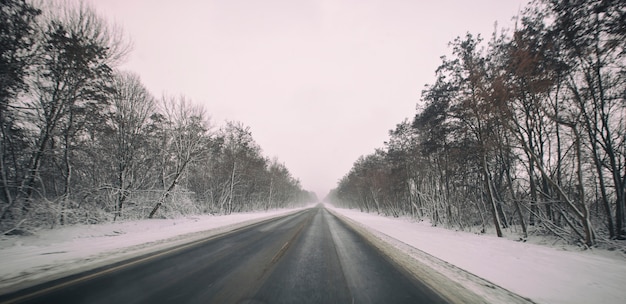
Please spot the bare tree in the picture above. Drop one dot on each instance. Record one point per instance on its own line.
(185, 140)
(76, 54)
(132, 107)
(592, 37)
(17, 46)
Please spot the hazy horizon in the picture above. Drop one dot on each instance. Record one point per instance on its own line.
(320, 83)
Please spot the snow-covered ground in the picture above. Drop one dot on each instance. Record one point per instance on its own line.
(541, 273)
(51, 254)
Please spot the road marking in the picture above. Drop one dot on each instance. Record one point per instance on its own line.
(279, 253)
(282, 250)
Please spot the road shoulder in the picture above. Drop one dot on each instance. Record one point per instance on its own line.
(452, 283)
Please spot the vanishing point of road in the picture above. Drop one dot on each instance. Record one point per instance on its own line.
(310, 256)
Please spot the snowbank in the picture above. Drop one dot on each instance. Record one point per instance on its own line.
(543, 274)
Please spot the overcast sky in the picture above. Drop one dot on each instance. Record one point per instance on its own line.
(320, 82)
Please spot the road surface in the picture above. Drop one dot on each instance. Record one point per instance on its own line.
(307, 257)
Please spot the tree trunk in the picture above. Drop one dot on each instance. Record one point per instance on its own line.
(516, 203)
(491, 197)
(6, 192)
(166, 194)
(533, 191)
(269, 200)
(68, 168)
(579, 214)
(232, 185)
(591, 125)
(581, 189)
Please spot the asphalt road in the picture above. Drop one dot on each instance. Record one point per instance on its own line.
(307, 257)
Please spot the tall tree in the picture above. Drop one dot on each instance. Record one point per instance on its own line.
(132, 107)
(592, 36)
(474, 110)
(186, 138)
(17, 46)
(238, 149)
(77, 50)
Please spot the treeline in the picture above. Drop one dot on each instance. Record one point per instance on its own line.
(82, 142)
(525, 131)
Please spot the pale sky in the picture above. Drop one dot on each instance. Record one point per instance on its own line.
(319, 82)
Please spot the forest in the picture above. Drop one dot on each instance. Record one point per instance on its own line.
(520, 133)
(82, 141)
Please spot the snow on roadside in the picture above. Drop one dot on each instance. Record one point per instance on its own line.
(50, 254)
(543, 274)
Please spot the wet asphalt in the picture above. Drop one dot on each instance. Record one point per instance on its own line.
(307, 257)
